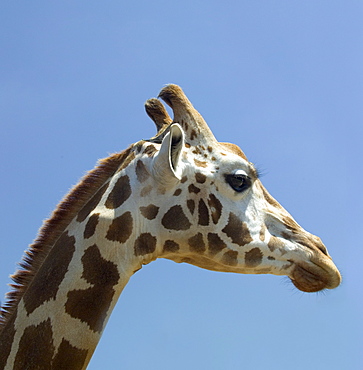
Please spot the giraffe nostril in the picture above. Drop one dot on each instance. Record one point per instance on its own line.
(311, 242)
(320, 245)
(323, 248)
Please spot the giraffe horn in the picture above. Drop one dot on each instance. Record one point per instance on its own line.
(184, 112)
(157, 112)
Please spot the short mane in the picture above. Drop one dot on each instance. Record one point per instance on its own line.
(52, 228)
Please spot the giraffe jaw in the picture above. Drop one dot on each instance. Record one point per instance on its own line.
(318, 274)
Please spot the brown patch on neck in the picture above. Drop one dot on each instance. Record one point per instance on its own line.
(91, 305)
(141, 171)
(53, 228)
(150, 212)
(120, 193)
(144, 244)
(91, 225)
(46, 282)
(69, 357)
(120, 228)
(36, 348)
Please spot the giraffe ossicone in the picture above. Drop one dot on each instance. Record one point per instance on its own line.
(181, 195)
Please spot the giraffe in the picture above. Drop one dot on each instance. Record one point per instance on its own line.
(180, 195)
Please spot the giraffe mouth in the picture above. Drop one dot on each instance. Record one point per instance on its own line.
(316, 275)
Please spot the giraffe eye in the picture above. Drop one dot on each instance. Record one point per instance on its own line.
(239, 181)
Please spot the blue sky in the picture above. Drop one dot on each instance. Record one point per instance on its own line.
(282, 79)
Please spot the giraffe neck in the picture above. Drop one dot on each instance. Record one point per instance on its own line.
(65, 325)
(61, 312)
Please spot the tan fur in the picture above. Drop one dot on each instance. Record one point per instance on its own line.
(235, 149)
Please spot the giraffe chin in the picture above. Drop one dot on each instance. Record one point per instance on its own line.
(313, 277)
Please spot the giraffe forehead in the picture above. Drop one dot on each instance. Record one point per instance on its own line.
(227, 158)
(235, 149)
(201, 157)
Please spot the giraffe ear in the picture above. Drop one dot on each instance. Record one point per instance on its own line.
(166, 166)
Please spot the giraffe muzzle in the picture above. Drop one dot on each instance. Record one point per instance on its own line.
(317, 274)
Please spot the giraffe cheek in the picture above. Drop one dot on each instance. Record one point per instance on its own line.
(215, 244)
(253, 258)
(237, 230)
(170, 246)
(203, 213)
(230, 258)
(196, 244)
(175, 219)
(215, 207)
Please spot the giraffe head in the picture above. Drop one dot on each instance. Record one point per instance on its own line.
(210, 209)
(181, 195)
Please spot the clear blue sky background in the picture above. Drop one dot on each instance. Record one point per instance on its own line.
(283, 79)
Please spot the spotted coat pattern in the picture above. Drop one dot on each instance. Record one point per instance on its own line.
(176, 196)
